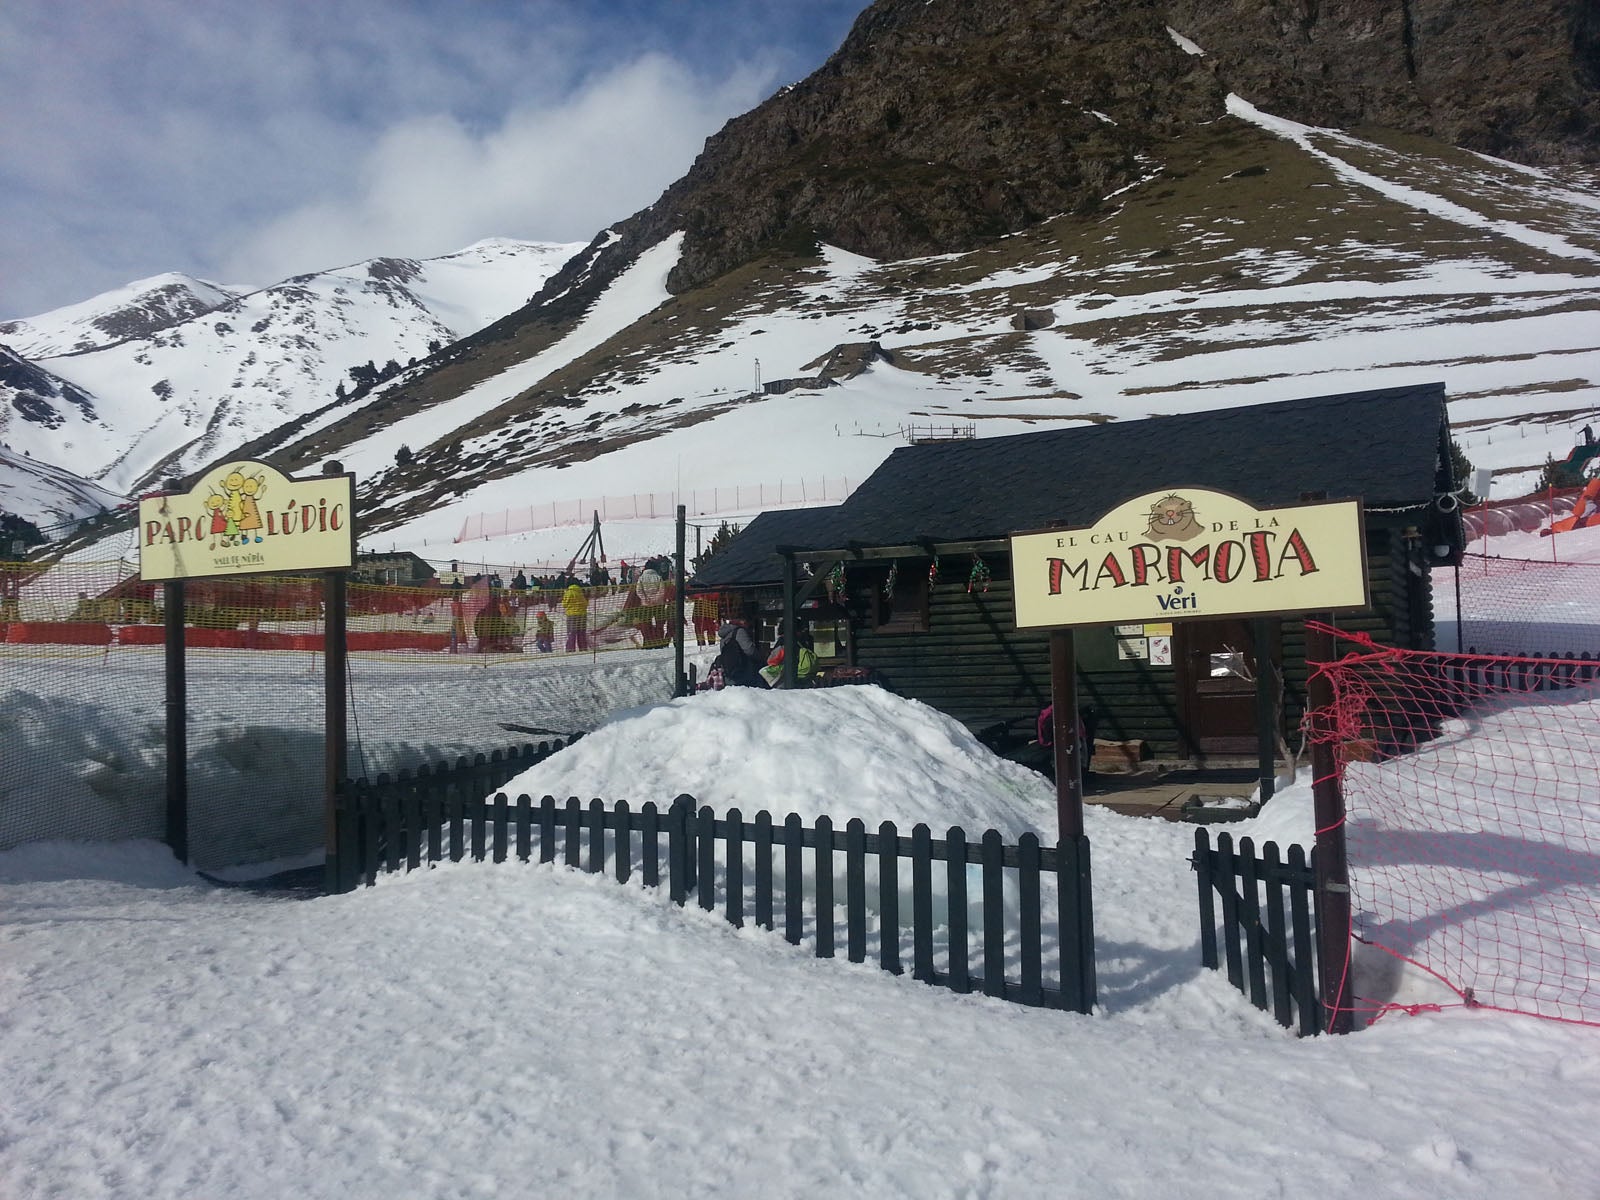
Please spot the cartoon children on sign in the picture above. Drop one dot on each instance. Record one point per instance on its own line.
(250, 487)
(233, 516)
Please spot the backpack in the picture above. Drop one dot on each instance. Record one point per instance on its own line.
(736, 665)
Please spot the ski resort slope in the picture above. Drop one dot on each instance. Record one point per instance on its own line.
(640, 289)
(481, 1030)
(1391, 265)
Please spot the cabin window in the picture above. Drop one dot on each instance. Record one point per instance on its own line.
(1229, 664)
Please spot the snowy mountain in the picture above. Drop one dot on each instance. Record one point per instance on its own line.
(1101, 232)
(136, 310)
(162, 376)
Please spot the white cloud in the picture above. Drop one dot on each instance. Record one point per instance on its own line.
(559, 171)
(243, 142)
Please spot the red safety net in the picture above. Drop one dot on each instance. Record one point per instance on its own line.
(1473, 821)
(1525, 607)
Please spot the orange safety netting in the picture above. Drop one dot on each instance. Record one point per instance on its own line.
(105, 605)
(1473, 820)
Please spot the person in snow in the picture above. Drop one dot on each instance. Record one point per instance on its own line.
(737, 658)
(805, 662)
(576, 605)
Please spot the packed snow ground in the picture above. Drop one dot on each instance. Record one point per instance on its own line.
(477, 1030)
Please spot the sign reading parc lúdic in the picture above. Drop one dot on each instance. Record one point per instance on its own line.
(1191, 552)
(246, 518)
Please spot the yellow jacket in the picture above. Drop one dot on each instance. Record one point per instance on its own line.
(573, 601)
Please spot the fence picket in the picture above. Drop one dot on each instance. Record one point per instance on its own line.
(1227, 869)
(650, 844)
(524, 827)
(547, 829)
(793, 880)
(458, 809)
(502, 817)
(824, 850)
(1304, 955)
(1201, 862)
(622, 845)
(889, 898)
(955, 848)
(432, 811)
(678, 850)
(371, 839)
(411, 819)
(763, 855)
(389, 814)
(855, 889)
(994, 915)
(1074, 993)
(478, 810)
(597, 837)
(922, 903)
(735, 869)
(1277, 946)
(706, 844)
(1250, 918)
(572, 833)
(1031, 940)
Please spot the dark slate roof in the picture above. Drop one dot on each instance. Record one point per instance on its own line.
(1381, 446)
(749, 561)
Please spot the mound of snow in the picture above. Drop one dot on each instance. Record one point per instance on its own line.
(844, 752)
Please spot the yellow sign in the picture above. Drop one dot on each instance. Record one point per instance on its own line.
(1191, 553)
(247, 518)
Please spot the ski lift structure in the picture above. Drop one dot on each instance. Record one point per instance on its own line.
(593, 549)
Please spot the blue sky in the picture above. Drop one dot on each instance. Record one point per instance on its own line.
(247, 140)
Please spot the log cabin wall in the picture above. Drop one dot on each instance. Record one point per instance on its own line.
(963, 654)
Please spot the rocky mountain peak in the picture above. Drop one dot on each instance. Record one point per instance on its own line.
(940, 124)
(1519, 81)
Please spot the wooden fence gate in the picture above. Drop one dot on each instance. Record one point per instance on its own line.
(1267, 915)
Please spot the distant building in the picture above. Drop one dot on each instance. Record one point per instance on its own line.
(401, 569)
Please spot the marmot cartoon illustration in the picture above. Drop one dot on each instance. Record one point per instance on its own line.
(1172, 519)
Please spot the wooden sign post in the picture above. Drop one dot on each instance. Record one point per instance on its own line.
(247, 518)
(1194, 554)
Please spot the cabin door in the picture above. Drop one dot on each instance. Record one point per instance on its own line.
(1216, 663)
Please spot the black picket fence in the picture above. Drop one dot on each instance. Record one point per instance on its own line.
(1555, 670)
(405, 823)
(436, 798)
(1268, 925)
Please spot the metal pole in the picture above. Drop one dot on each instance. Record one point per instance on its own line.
(1460, 624)
(177, 723)
(1069, 766)
(335, 676)
(1266, 709)
(1332, 870)
(680, 681)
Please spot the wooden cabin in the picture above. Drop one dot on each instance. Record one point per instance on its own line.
(911, 575)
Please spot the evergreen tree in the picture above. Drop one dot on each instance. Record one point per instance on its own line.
(1461, 472)
(403, 456)
(719, 542)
